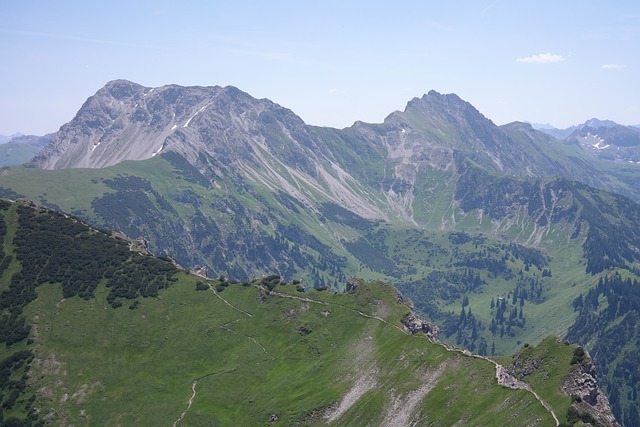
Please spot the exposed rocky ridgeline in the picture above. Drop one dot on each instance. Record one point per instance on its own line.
(85, 316)
(537, 365)
(590, 404)
(375, 170)
(415, 324)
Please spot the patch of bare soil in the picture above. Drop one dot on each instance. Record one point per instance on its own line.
(401, 412)
(362, 351)
(363, 384)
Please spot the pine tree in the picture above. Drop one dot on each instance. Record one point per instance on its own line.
(465, 301)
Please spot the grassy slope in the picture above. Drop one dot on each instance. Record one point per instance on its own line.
(283, 356)
(249, 356)
(73, 190)
(554, 359)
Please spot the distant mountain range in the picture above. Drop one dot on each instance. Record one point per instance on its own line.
(494, 232)
(602, 138)
(5, 138)
(19, 149)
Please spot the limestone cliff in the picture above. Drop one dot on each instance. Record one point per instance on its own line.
(590, 404)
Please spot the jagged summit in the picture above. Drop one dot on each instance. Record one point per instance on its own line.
(128, 121)
(122, 88)
(438, 103)
(597, 123)
(225, 130)
(434, 98)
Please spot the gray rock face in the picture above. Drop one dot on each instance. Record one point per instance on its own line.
(582, 383)
(222, 130)
(127, 121)
(124, 121)
(415, 324)
(373, 170)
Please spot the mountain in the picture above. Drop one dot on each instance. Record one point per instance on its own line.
(96, 331)
(20, 149)
(564, 133)
(492, 232)
(603, 139)
(621, 143)
(4, 138)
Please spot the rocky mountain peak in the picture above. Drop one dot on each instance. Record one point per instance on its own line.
(435, 102)
(122, 89)
(225, 130)
(597, 123)
(128, 121)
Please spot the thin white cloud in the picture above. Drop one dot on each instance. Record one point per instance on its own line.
(612, 66)
(542, 58)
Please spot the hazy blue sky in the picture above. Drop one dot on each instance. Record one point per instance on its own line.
(331, 62)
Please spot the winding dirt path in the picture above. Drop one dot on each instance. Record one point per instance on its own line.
(502, 376)
(195, 382)
(340, 305)
(248, 337)
(193, 392)
(505, 379)
(227, 302)
(193, 396)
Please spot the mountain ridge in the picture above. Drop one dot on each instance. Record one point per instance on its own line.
(455, 211)
(230, 126)
(602, 139)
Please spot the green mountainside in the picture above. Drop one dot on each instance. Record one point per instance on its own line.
(96, 331)
(21, 149)
(494, 233)
(508, 277)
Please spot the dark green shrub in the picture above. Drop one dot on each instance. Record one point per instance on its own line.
(579, 356)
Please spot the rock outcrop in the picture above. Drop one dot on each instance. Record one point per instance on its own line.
(505, 378)
(415, 324)
(582, 385)
(352, 285)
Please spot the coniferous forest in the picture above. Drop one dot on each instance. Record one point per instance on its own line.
(609, 320)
